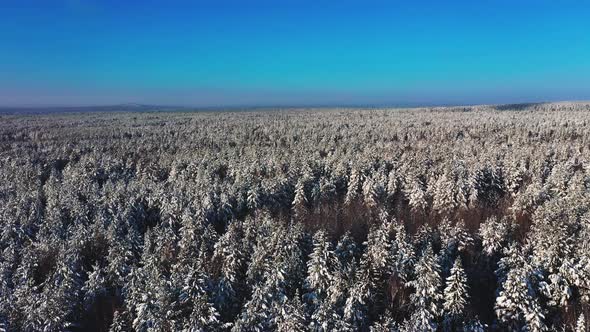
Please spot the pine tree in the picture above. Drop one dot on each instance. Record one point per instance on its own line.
(454, 239)
(427, 296)
(443, 195)
(95, 286)
(327, 191)
(377, 260)
(378, 248)
(514, 179)
(203, 317)
(474, 325)
(292, 316)
(581, 324)
(300, 200)
(346, 249)
(421, 320)
(325, 317)
(517, 303)
(416, 195)
(494, 234)
(455, 294)
(462, 186)
(119, 323)
(354, 184)
(260, 249)
(228, 253)
(4, 325)
(120, 257)
(146, 290)
(194, 300)
(373, 192)
(385, 324)
(253, 198)
(278, 261)
(356, 306)
(319, 275)
(262, 311)
(319, 282)
(404, 256)
(392, 184)
(64, 300)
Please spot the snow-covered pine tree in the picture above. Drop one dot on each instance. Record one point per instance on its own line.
(326, 317)
(314, 194)
(146, 290)
(581, 324)
(462, 185)
(4, 324)
(95, 286)
(327, 191)
(516, 173)
(119, 260)
(278, 262)
(415, 191)
(393, 185)
(403, 254)
(517, 305)
(119, 323)
(454, 239)
(376, 259)
(194, 306)
(356, 306)
(320, 262)
(373, 192)
(346, 249)
(292, 316)
(258, 231)
(228, 253)
(253, 197)
(378, 250)
(494, 234)
(319, 281)
(427, 292)
(288, 255)
(66, 292)
(474, 325)
(300, 200)
(261, 312)
(454, 236)
(7, 269)
(443, 200)
(455, 295)
(529, 197)
(354, 184)
(385, 324)
(343, 275)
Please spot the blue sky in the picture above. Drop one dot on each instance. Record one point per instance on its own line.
(228, 53)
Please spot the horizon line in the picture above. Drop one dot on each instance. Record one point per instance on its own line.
(283, 106)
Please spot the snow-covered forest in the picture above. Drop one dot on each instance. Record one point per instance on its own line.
(441, 219)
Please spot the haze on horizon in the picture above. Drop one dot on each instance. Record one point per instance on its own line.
(262, 52)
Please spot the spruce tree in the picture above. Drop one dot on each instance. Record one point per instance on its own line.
(455, 296)
(292, 316)
(319, 275)
(427, 293)
(581, 324)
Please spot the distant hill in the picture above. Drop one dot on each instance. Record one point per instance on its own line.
(542, 106)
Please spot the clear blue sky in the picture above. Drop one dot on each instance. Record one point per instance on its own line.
(251, 52)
